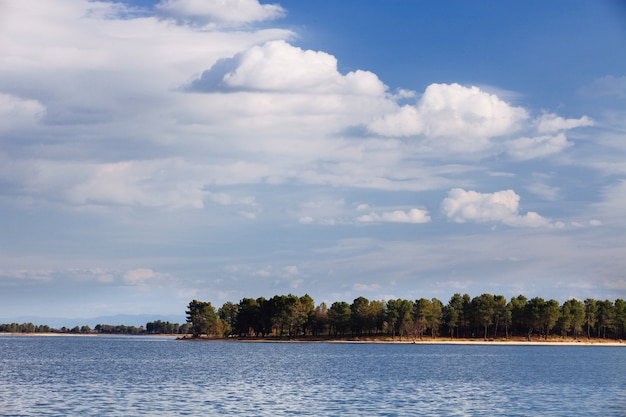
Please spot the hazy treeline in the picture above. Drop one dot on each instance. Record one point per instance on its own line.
(153, 327)
(484, 316)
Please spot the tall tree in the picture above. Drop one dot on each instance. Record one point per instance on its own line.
(550, 313)
(500, 314)
(301, 314)
(375, 316)
(620, 318)
(339, 317)
(202, 316)
(398, 316)
(453, 314)
(247, 317)
(420, 313)
(359, 310)
(319, 319)
(228, 316)
(532, 314)
(517, 305)
(606, 318)
(591, 309)
(483, 306)
(576, 316)
(434, 317)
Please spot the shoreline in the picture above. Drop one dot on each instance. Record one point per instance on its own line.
(436, 341)
(405, 341)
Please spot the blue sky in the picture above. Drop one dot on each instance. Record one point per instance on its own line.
(156, 152)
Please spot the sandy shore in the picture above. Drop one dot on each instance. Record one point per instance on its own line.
(425, 341)
(429, 341)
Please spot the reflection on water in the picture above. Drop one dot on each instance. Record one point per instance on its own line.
(133, 376)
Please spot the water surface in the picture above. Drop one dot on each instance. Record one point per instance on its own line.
(158, 376)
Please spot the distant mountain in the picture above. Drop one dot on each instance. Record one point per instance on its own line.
(125, 319)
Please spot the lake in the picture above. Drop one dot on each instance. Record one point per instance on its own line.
(159, 376)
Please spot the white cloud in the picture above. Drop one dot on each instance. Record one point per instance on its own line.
(138, 276)
(323, 210)
(544, 191)
(17, 112)
(219, 12)
(227, 199)
(280, 67)
(549, 123)
(452, 110)
(365, 288)
(536, 147)
(413, 215)
(608, 85)
(613, 205)
(168, 183)
(502, 207)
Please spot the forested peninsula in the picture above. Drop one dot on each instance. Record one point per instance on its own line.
(484, 317)
(290, 317)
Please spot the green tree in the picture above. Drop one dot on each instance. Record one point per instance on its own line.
(421, 308)
(576, 315)
(359, 314)
(620, 318)
(339, 317)
(532, 314)
(375, 316)
(606, 318)
(467, 313)
(202, 317)
(434, 316)
(398, 316)
(550, 314)
(301, 314)
(319, 320)
(227, 314)
(453, 314)
(591, 310)
(483, 307)
(564, 323)
(501, 314)
(517, 306)
(248, 316)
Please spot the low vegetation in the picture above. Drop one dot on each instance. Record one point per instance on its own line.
(153, 327)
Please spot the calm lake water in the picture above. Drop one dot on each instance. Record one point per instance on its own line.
(158, 376)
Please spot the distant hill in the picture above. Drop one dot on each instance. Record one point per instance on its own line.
(117, 319)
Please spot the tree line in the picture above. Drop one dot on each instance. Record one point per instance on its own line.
(153, 327)
(486, 316)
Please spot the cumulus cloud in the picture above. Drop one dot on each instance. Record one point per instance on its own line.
(500, 207)
(413, 215)
(456, 118)
(536, 147)
(280, 67)
(549, 123)
(452, 110)
(219, 12)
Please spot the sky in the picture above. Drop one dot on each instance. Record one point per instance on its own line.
(155, 152)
